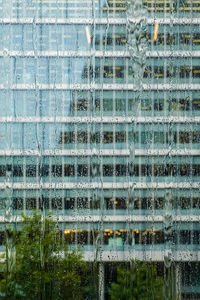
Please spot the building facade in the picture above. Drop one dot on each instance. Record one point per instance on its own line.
(100, 123)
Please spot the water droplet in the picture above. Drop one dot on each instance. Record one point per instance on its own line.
(168, 258)
(132, 153)
(5, 52)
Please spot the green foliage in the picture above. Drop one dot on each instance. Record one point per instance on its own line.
(44, 269)
(137, 282)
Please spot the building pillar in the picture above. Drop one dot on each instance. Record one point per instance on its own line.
(178, 280)
(101, 281)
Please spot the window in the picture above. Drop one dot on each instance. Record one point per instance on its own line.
(56, 170)
(2, 171)
(69, 203)
(17, 203)
(17, 171)
(82, 170)
(56, 203)
(30, 203)
(108, 170)
(69, 170)
(31, 170)
(108, 137)
(44, 203)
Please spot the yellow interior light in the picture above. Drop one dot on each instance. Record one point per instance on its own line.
(155, 35)
(88, 35)
(118, 233)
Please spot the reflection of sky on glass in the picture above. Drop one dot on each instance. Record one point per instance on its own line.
(49, 70)
(52, 9)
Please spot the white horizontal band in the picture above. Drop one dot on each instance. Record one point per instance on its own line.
(65, 152)
(134, 253)
(125, 218)
(141, 254)
(98, 185)
(110, 21)
(105, 86)
(97, 53)
(109, 120)
(102, 152)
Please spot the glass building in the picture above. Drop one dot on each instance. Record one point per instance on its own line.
(100, 123)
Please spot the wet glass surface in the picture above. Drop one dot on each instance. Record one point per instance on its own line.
(100, 127)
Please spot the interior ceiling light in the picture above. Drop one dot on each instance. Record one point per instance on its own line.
(88, 35)
(155, 35)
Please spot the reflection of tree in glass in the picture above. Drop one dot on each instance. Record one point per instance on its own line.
(137, 282)
(44, 269)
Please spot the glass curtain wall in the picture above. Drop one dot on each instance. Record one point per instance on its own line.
(100, 124)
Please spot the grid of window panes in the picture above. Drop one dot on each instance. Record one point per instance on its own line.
(77, 137)
(89, 8)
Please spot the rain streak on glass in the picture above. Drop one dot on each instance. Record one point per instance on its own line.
(99, 146)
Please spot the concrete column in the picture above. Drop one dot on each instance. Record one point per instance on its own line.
(101, 281)
(178, 280)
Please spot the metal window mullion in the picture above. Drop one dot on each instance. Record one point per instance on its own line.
(88, 171)
(63, 192)
(114, 68)
(114, 136)
(76, 175)
(177, 136)
(90, 103)
(37, 194)
(191, 132)
(76, 234)
(88, 234)
(191, 65)
(75, 133)
(166, 104)
(24, 8)
(113, 32)
(88, 201)
(139, 168)
(62, 103)
(24, 201)
(191, 106)
(50, 169)
(126, 70)
(127, 136)
(37, 170)
(114, 198)
(114, 158)
(74, 97)
(165, 70)
(24, 169)
(22, 67)
(114, 103)
(50, 198)
(139, 130)
(62, 138)
(63, 180)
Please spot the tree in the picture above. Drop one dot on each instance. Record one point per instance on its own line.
(44, 269)
(137, 282)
